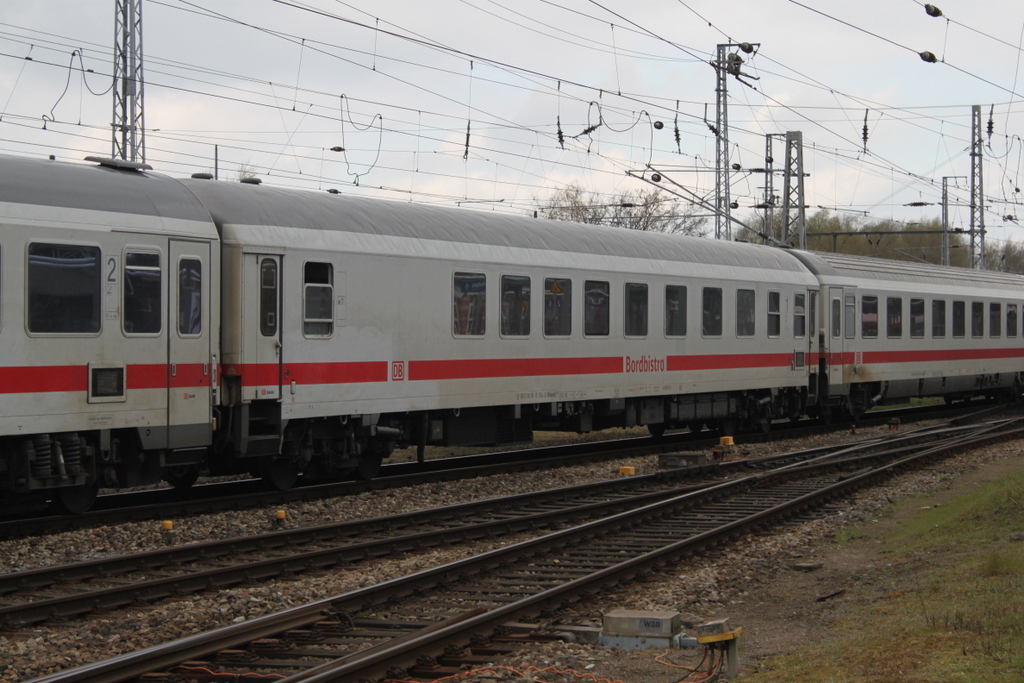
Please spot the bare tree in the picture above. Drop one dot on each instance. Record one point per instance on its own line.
(1009, 258)
(247, 170)
(649, 210)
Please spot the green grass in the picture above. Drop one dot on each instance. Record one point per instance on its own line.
(960, 614)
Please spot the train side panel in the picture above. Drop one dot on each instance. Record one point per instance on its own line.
(108, 334)
(895, 330)
(404, 324)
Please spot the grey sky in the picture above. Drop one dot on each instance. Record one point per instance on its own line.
(276, 84)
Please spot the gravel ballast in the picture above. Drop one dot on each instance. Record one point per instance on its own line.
(700, 588)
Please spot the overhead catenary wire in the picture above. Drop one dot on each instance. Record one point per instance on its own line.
(547, 131)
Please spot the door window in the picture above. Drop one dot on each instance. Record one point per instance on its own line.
(190, 297)
(268, 297)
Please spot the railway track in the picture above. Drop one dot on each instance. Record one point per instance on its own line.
(172, 503)
(70, 590)
(364, 633)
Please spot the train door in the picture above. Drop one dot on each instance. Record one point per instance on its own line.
(189, 339)
(834, 340)
(813, 349)
(265, 381)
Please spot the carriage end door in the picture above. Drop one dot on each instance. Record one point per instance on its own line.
(842, 326)
(262, 379)
(189, 345)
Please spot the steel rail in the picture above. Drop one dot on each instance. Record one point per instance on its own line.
(351, 541)
(374, 662)
(167, 503)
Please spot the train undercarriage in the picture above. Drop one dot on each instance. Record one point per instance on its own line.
(66, 470)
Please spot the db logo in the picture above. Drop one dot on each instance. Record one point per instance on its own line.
(398, 371)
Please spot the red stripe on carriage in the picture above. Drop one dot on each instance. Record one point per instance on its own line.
(147, 377)
(432, 370)
(334, 373)
(730, 361)
(190, 375)
(934, 356)
(22, 380)
(73, 378)
(937, 356)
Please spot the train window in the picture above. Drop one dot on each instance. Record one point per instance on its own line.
(63, 289)
(799, 314)
(745, 313)
(675, 311)
(868, 317)
(774, 314)
(515, 306)
(959, 319)
(1011, 320)
(837, 318)
(268, 297)
(596, 303)
(995, 320)
(143, 312)
(636, 309)
(894, 316)
(977, 319)
(558, 306)
(851, 316)
(712, 315)
(938, 318)
(190, 296)
(318, 299)
(917, 317)
(469, 293)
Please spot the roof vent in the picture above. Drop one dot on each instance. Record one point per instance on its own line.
(203, 176)
(121, 164)
(250, 181)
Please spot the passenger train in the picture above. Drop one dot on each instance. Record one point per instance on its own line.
(158, 328)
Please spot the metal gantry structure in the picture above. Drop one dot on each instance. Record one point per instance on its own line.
(794, 213)
(977, 198)
(128, 125)
(723, 227)
(727, 63)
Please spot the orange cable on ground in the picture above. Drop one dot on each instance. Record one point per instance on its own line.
(225, 674)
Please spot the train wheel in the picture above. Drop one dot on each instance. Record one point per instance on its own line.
(657, 430)
(280, 473)
(369, 466)
(74, 500)
(181, 476)
(764, 424)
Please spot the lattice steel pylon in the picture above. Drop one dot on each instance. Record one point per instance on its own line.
(129, 122)
(977, 196)
(723, 210)
(794, 215)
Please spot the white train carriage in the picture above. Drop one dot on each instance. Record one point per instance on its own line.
(895, 330)
(350, 325)
(108, 328)
(154, 327)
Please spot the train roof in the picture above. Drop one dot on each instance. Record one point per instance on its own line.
(244, 205)
(96, 188)
(847, 267)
